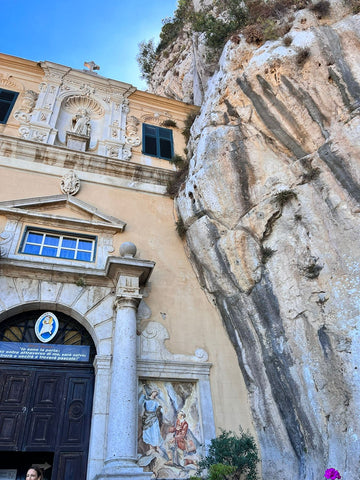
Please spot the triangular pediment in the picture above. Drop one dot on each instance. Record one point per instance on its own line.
(73, 213)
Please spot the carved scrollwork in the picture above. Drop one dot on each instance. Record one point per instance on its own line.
(27, 106)
(132, 138)
(5, 240)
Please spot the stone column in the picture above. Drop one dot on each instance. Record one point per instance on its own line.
(121, 454)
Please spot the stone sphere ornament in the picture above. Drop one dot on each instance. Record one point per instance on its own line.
(128, 250)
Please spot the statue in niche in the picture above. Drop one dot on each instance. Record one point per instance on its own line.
(81, 123)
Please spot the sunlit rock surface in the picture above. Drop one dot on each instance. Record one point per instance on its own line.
(271, 208)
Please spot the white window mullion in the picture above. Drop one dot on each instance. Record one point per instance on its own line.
(42, 243)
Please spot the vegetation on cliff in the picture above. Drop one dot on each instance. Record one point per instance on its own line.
(257, 20)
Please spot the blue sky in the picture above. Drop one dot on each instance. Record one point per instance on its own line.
(70, 32)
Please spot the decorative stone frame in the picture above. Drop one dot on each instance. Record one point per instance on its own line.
(30, 213)
(155, 362)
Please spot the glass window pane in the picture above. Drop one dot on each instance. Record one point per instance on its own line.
(165, 148)
(32, 249)
(51, 240)
(34, 237)
(150, 146)
(6, 95)
(4, 108)
(69, 242)
(150, 130)
(67, 253)
(84, 256)
(49, 252)
(85, 245)
(165, 133)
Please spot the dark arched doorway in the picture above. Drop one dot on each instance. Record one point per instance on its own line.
(46, 393)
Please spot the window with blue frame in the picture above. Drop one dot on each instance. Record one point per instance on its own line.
(157, 142)
(7, 101)
(58, 244)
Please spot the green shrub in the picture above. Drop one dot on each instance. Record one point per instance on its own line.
(355, 6)
(238, 451)
(301, 57)
(188, 123)
(219, 471)
(169, 123)
(146, 58)
(287, 41)
(322, 8)
(254, 33)
(284, 197)
(180, 227)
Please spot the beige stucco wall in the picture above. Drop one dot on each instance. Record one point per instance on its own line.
(174, 295)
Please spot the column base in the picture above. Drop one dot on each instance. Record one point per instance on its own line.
(123, 470)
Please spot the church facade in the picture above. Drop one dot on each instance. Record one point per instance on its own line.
(114, 363)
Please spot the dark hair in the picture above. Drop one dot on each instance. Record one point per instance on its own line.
(37, 469)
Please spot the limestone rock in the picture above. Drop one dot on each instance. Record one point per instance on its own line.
(271, 208)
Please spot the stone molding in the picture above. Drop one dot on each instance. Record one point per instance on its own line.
(28, 155)
(25, 209)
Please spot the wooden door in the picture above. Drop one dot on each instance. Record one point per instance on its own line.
(14, 402)
(48, 410)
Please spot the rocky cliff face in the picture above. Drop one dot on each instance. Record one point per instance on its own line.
(271, 210)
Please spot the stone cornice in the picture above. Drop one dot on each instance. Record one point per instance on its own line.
(136, 176)
(88, 276)
(173, 369)
(150, 99)
(95, 80)
(20, 64)
(31, 209)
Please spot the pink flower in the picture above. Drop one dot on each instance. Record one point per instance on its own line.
(332, 474)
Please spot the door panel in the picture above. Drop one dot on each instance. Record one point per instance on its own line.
(43, 417)
(14, 393)
(77, 414)
(70, 465)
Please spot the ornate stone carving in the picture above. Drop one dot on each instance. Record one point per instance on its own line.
(24, 132)
(29, 101)
(27, 106)
(113, 151)
(87, 90)
(152, 346)
(6, 80)
(39, 136)
(155, 119)
(5, 241)
(132, 137)
(76, 102)
(70, 183)
(126, 153)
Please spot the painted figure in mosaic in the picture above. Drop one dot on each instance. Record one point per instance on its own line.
(180, 444)
(151, 422)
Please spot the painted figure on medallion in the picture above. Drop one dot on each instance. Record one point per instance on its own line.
(169, 428)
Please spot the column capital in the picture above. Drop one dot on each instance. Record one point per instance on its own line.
(127, 301)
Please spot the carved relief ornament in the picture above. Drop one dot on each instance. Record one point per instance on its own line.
(70, 183)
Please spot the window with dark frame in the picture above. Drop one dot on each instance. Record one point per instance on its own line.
(7, 101)
(158, 142)
(46, 243)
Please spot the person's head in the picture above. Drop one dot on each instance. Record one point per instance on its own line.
(181, 415)
(154, 394)
(34, 473)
